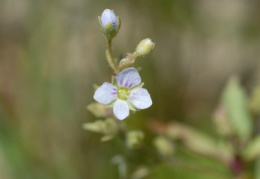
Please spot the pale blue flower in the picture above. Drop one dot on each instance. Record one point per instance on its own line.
(126, 94)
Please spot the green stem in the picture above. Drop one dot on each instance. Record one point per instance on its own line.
(110, 57)
(129, 61)
(131, 57)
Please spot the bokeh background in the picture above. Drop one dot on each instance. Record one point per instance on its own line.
(53, 51)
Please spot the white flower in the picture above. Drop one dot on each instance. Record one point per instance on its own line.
(108, 16)
(126, 94)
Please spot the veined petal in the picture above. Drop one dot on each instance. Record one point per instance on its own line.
(140, 98)
(106, 93)
(121, 109)
(128, 78)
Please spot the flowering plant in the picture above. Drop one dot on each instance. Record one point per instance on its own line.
(237, 145)
(125, 92)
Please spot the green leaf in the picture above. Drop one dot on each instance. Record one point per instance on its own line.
(257, 169)
(252, 151)
(164, 171)
(254, 102)
(234, 100)
(199, 142)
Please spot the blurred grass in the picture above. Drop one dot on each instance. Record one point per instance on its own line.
(51, 52)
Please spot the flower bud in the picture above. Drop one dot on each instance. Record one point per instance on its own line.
(97, 126)
(108, 16)
(144, 47)
(123, 63)
(141, 172)
(134, 139)
(99, 110)
(106, 127)
(110, 23)
(164, 146)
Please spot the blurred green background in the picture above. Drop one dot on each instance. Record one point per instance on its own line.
(53, 51)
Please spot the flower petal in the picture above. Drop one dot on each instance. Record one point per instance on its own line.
(128, 78)
(107, 16)
(121, 109)
(140, 98)
(106, 93)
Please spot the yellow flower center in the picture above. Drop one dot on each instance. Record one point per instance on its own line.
(123, 93)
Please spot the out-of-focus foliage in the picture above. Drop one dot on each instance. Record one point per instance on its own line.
(254, 102)
(52, 52)
(234, 101)
(253, 149)
(199, 142)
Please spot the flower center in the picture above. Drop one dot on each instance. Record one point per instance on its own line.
(122, 93)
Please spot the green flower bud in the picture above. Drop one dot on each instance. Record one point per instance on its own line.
(144, 47)
(164, 146)
(134, 139)
(106, 127)
(141, 172)
(99, 110)
(110, 23)
(111, 126)
(97, 126)
(123, 63)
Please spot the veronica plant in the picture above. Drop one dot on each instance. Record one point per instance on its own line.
(235, 148)
(125, 91)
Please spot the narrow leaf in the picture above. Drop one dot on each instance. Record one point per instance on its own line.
(234, 100)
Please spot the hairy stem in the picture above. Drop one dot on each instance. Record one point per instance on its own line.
(110, 57)
(129, 61)
(131, 57)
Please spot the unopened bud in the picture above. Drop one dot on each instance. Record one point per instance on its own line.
(97, 126)
(144, 47)
(106, 127)
(140, 173)
(164, 146)
(110, 23)
(99, 110)
(134, 139)
(111, 126)
(123, 63)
